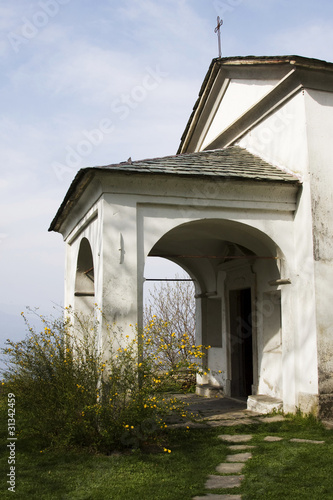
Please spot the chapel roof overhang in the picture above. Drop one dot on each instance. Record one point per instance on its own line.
(233, 163)
(292, 73)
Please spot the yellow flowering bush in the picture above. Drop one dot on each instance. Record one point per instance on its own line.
(170, 333)
(174, 355)
(54, 375)
(70, 392)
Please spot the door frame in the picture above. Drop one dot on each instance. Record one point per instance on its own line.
(240, 277)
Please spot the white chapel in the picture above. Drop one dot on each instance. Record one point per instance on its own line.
(246, 208)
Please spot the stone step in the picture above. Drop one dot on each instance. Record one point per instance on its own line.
(208, 391)
(264, 404)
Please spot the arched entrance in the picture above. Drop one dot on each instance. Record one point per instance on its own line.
(84, 280)
(232, 265)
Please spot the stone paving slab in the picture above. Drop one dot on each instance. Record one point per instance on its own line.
(191, 425)
(241, 447)
(230, 468)
(228, 416)
(219, 497)
(239, 457)
(272, 439)
(237, 438)
(295, 440)
(230, 423)
(220, 423)
(270, 420)
(214, 482)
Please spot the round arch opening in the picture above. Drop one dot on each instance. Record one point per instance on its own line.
(234, 267)
(84, 280)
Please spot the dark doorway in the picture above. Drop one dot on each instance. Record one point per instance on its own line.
(241, 342)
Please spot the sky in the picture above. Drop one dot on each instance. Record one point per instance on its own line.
(86, 82)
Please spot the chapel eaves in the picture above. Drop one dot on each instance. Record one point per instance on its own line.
(232, 163)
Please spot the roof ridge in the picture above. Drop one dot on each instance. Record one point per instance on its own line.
(177, 155)
(283, 59)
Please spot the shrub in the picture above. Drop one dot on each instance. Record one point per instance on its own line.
(175, 357)
(70, 392)
(52, 385)
(170, 318)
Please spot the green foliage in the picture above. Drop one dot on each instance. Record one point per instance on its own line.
(174, 356)
(71, 392)
(53, 375)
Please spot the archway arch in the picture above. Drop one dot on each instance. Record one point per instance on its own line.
(84, 280)
(211, 240)
(236, 268)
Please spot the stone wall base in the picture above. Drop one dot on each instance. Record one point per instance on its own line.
(308, 403)
(326, 406)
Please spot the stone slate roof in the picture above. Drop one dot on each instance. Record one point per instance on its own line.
(232, 162)
(229, 163)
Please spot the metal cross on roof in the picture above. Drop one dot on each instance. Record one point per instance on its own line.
(218, 31)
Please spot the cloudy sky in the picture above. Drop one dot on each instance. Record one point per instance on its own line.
(87, 82)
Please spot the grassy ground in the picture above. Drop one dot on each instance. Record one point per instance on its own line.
(287, 470)
(279, 470)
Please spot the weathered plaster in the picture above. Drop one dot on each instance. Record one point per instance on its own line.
(278, 231)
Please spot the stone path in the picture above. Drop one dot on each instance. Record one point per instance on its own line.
(228, 412)
(230, 471)
(234, 465)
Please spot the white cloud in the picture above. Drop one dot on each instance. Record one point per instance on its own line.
(259, 5)
(9, 14)
(166, 27)
(3, 184)
(27, 210)
(22, 23)
(315, 39)
(92, 72)
(26, 153)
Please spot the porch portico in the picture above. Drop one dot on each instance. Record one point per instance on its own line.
(233, 233)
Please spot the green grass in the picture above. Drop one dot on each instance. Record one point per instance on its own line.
(135, 475)
(280, 470)
(286, 470)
